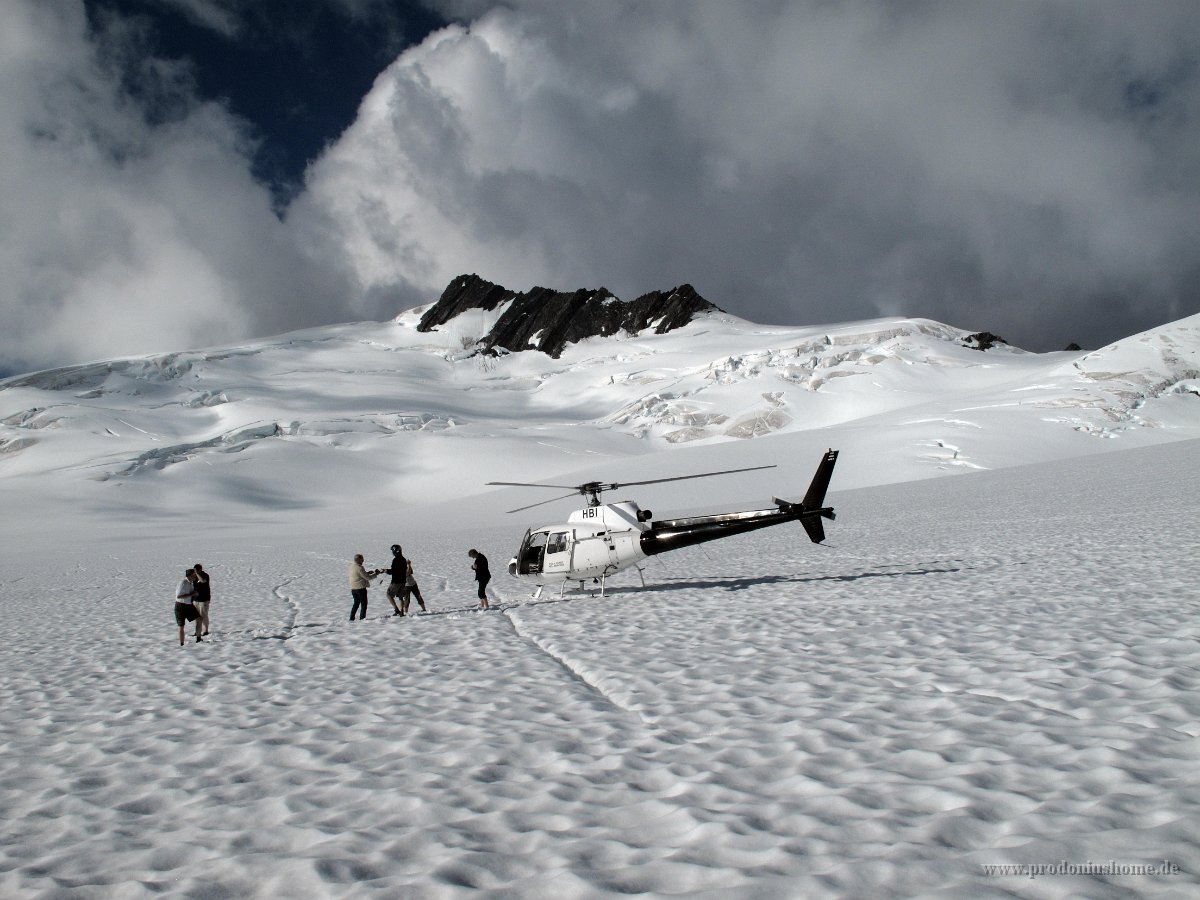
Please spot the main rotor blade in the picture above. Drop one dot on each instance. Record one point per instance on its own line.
(565, 487)
(595, 487)
(621, 484)
(543, 502)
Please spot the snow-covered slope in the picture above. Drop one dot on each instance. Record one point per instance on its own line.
(979, 686)
(977, 680)
(329, 417)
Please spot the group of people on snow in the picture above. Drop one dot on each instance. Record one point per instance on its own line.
(195, 590)
(401, 589)
(191, 602)
(403, 585)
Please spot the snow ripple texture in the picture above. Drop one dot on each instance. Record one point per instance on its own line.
(1001, 668)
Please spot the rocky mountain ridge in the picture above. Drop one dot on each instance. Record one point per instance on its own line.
(548, 320)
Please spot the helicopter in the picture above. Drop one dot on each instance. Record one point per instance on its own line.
(603, 539)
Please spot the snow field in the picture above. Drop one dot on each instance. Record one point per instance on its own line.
(999, 668)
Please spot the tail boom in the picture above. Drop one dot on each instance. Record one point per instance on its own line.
(672, 534)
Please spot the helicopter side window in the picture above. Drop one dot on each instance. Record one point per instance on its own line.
(557, 542)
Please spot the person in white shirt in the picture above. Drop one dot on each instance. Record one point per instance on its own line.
(185, 608)
(410, 588)
(360, 580)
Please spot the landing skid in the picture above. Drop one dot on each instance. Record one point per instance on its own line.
(602, 580)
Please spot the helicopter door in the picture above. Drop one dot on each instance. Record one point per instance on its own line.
(558, 552)
(532, 552)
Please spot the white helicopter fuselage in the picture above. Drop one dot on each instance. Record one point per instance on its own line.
(594, 543)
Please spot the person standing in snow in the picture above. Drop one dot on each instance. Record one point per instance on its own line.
(410, 588)
(398, 571)
(360, 580)
(482, 575)
(185, 609)
(203, 594)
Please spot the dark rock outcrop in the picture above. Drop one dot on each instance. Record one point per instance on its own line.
(983, 340)
(463, 293)
(548, 320)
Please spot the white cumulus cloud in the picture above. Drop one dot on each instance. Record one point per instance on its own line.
(1032, 169)
(1028, 168)
(127, 227)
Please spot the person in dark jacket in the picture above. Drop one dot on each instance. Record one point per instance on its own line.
(482, 575)
(203, 594)
(399, 573)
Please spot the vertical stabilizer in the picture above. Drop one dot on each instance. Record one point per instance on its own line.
(815, 498)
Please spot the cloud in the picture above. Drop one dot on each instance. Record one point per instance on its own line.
(221, 16)
(1030, 169)
(128, 226)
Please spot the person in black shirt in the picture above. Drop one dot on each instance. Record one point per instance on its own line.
(482, 575)
(203, 594)
(399, 573)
